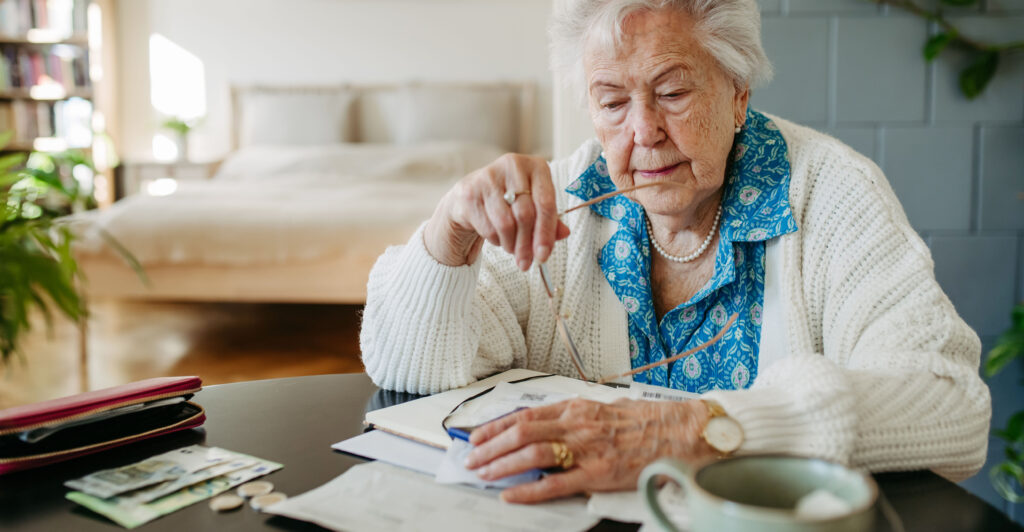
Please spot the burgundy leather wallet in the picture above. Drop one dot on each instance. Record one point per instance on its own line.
(60, 429)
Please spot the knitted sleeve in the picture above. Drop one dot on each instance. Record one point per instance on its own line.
(428, 327)
(884, 373)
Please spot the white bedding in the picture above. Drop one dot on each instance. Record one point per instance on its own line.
(273, 205)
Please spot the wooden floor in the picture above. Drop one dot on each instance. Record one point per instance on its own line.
(220, 342)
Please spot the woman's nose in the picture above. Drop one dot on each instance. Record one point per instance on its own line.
(648, 126)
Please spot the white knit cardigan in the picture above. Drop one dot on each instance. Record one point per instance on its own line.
(870, 364)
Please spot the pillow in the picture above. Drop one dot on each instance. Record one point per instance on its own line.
(488, 115)
(295, 117)
(362, 163)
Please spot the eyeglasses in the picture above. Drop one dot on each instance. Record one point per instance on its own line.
(570, 346)
(563, 330)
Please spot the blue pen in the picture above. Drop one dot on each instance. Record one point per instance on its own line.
(459, 433)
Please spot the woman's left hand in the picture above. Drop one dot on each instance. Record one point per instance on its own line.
(610, 444)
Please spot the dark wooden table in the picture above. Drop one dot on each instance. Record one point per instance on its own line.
(294, 421)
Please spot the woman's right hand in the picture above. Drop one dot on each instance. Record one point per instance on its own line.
(475, 210)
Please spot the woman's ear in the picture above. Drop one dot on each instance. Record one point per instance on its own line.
(740, 102)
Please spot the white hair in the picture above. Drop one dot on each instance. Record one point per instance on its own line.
(729, 30)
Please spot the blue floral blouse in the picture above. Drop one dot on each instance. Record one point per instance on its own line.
(755, 208)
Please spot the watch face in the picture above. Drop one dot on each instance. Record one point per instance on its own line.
(724, 434)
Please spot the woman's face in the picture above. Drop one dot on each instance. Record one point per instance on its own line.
(663, 110)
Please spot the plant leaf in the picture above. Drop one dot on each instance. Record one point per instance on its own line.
(935, 45)
(1014, 431)
(1008, 480)
(958, 2)
(1008, 348)
(127, 256)
(975, 77)
(11, 160)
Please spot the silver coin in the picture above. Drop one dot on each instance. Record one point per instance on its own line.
(254, 489)
(226, 502)
(263, 501)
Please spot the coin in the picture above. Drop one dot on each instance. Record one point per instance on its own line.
(263, 501)
(255, 489)
(226, 502)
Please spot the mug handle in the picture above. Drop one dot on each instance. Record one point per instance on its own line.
(676, 470)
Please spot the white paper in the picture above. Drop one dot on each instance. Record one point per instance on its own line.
(402, 452)
(420, 419)
(649, 392)
(505, 398)
(452, 470)
(378, 496)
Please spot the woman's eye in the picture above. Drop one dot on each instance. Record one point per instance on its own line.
(673, 95)
(611, 106)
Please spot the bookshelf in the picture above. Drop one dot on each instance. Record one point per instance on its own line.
(46, 80)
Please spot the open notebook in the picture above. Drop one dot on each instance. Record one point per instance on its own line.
(420, 419)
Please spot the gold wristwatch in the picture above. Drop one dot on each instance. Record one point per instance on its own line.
(723, 433)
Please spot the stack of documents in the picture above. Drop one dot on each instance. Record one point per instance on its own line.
(378, 496)
(420, 420)
(139, 493)
(412, 437)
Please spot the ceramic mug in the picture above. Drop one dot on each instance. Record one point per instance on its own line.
(760, 493)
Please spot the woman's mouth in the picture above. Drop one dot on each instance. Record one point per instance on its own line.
(658, 172)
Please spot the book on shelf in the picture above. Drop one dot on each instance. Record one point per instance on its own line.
(45, 86)
(56, 19)
(69, 120)
(24, 68)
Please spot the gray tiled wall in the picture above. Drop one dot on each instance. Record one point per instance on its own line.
(855, 70)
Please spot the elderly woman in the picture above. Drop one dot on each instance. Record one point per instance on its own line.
(844, 347)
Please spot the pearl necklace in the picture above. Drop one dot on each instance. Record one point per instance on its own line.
(689, 258)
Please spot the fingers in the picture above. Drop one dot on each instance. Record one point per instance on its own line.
(539, 455)
(562, 232)
(550, 487)
(492, 429)
(500, 217)
(546, 226)
(476, 207)
(525, 216)
(514, 438)
(529, 179)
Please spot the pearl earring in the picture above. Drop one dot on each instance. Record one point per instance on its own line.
(738, 129)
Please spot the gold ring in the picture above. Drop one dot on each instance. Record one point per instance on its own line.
(563, 456)
(511, 195)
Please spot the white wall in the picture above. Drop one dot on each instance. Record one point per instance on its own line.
(571, 122)
(326, 41)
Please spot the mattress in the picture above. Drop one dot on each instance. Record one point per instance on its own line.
(275, 205)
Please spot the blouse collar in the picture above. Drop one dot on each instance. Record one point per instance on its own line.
(755, 202)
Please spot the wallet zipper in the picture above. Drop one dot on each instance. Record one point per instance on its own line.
(94, 411)
(108, 442)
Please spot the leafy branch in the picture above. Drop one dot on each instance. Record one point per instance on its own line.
(985, 56)
(37, 266)
(1008, 477)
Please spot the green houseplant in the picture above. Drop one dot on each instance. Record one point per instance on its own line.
(181, 128)
(984, 56)
(1008, 477)
(37, 268)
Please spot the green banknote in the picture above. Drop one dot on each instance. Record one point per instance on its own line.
(129, 511)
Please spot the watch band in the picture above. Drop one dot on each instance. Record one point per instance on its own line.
(727, 435)
(714, 408)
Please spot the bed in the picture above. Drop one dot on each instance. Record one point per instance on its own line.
(322, 180)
